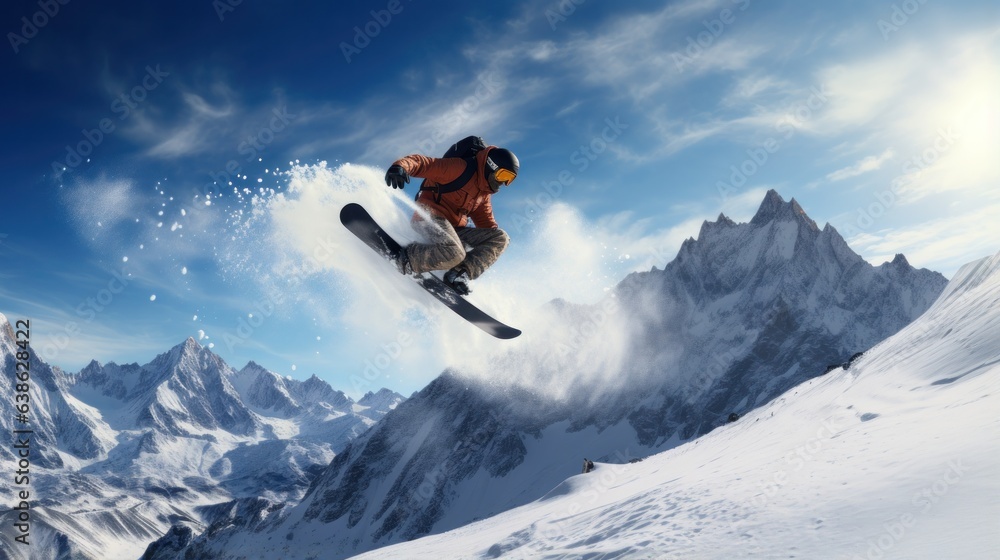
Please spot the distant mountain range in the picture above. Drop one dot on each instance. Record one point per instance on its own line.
(742, 314)
(120, 453)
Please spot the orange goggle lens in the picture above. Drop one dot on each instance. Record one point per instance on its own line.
(504, 176)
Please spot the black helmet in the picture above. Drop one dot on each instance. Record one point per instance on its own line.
(502, 165)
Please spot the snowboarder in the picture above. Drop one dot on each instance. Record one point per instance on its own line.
(485, 170)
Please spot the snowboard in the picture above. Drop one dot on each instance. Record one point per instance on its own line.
(360, 223)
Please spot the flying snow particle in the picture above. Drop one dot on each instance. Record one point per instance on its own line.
(124, 259)
(201, 334)
(184, 270)
(183, 212)
(195, 318)
(152, 297)
(211, 345)
(294, 367)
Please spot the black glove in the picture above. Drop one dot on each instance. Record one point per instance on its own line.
(396, 176)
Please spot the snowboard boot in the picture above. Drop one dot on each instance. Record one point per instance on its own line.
(403, 263)
(459, 280)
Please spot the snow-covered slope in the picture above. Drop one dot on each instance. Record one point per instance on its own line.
(122, 452)
(895, 457)
(742, 314)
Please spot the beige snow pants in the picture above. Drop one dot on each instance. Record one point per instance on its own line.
(469, 248)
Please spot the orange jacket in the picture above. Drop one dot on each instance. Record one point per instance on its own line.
(470, 201)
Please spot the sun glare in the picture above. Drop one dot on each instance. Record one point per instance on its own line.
(962, 119)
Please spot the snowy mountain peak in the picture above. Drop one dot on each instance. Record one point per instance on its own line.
(6, 333)
(775, 209)
(721, 223)
(385, 399)
(252, 367)
(267, 391)
(191, 346)
(900, 260)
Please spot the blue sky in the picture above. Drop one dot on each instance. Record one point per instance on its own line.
(125, 124)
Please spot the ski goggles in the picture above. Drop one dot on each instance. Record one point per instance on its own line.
(504, 176)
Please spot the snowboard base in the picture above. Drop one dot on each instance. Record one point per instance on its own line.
(356, 219)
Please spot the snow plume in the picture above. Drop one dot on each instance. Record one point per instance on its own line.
(294, 244)
(555, 283)
(98, 208)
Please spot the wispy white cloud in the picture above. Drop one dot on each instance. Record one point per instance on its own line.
(936, 106)
(432, 122)
(868, 164)
(196, 127)
(180, 141)
(943, 244)
(202, 107)
(640, 54)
